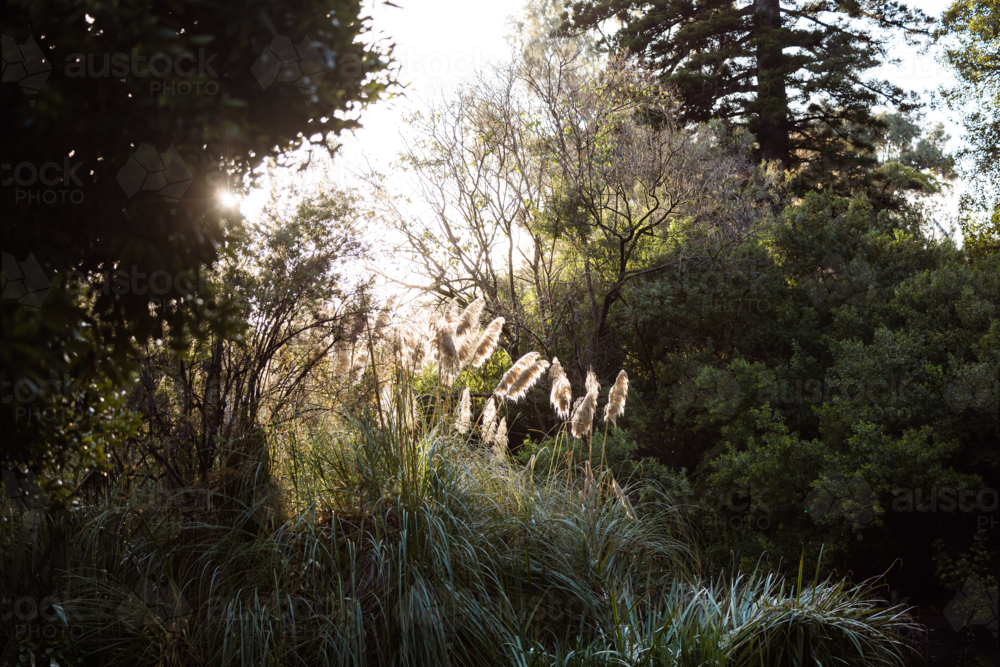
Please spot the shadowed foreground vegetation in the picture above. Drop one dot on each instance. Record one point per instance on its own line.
(383, 537)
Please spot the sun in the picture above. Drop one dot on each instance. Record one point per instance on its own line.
(228, 199)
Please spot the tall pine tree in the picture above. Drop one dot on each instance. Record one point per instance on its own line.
(792, 71)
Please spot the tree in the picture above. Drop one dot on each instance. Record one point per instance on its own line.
(792, 73)
(292, 306)
(971, 30)
(550, 193)
(861, 361)
(123, 123)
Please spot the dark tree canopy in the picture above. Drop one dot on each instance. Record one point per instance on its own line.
(792, 72)
(122, 123)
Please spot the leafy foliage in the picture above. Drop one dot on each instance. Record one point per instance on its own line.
(791, 73)
(99, 128)
(972, 38)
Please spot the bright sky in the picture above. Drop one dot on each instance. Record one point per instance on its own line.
(441, 43)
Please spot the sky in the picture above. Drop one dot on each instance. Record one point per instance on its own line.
(442, 43)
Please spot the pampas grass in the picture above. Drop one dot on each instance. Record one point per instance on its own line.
(526, 380)
(342, 358)
(583, 415)
(464, 420)
(511, 376)
(500, 440)
(354, 542)
(562, 393)
(489, 412)
(487, 343)
(465, 330)
(622, 498)
(449, 365)
(583, 411)
(616, 398)
(360, 363)
(451, 313)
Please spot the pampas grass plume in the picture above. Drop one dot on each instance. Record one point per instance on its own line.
(468, 325)
(583, 415)
(448, 362)
(562, 393)
(451, 313)
(488, 343)
(342, 358)
(616, 398)
(513, 373)
(489, 416)
(464, 413)
(500, 440)
(526, 380)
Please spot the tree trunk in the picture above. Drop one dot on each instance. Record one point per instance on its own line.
(770, 110)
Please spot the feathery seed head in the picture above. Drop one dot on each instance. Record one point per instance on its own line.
(468, 322)
(513, 373)
(583, 415)
(384, 317)
(616, 398)
(592, 385)
(556, 370)
(448, 363)
(464, 413)
(623, 499)
(489, 416)
(451, 313)
(342, 358)
(360, 363)
(500, 437)
(526, 380)
(488, 343)
(562, 393)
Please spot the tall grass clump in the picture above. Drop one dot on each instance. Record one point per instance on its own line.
(396, 531)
